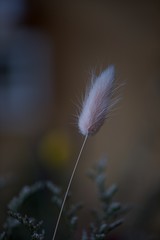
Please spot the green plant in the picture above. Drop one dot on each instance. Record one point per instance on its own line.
(103, 221)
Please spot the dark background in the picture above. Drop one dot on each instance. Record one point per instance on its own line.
(47, 53)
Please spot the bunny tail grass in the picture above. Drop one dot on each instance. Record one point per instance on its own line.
(69, 184)
(97, 102)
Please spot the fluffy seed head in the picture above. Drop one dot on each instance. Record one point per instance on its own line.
(96, 104)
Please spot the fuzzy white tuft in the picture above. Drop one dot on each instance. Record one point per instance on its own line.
(96, 104)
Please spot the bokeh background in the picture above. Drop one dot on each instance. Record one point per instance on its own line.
(48, 50)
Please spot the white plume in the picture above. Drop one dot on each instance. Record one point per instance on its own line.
(97, 101)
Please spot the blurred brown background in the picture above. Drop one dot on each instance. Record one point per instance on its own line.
(47, 54)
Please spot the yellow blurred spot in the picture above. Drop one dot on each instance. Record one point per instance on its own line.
(55, 148)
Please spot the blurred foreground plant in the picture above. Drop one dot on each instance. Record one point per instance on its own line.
(103, 221)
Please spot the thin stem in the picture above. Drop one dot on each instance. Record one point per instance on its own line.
(69, 184)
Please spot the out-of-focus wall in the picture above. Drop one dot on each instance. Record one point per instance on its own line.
(92, 35)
